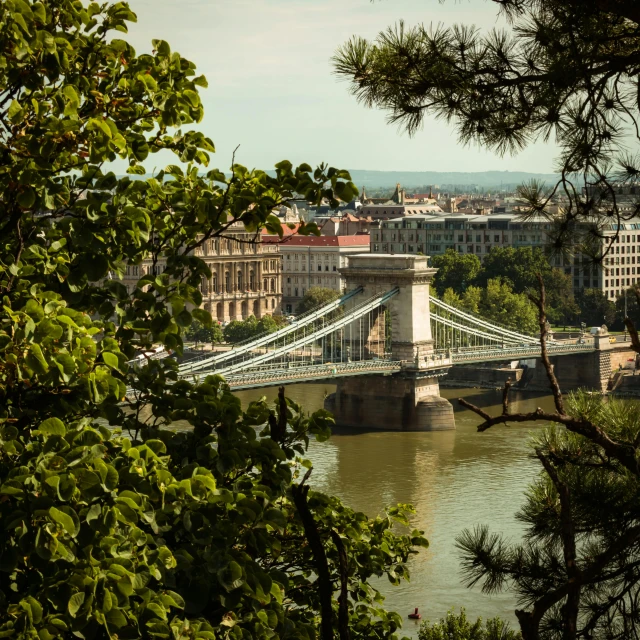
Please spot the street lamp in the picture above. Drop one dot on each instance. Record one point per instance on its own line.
(625, 315)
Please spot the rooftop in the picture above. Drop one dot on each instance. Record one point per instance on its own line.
(318, 241)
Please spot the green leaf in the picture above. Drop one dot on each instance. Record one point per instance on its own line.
(110, 359)
(36, 360)
(33, 609)
(34, 309)
(94, 267)
(27, 197)
(184, 318)
(96, 124)
(75, 602)
(115, 618)
(203, 316)
(52, 427)
(15, 111)
(66, 521)
(72, 100)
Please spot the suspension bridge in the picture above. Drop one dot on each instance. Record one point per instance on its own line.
(386, 327)
(351, 336)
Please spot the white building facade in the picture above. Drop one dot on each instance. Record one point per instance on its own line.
(312, 261)
(434, 234)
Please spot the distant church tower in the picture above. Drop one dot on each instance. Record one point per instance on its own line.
(398, 195)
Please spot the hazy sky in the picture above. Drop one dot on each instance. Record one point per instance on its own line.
(271, 87)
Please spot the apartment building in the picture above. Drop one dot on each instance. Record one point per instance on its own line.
(313, 261)
(433, 235)
(245, 275)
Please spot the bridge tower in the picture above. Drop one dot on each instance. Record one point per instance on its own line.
(409, 400)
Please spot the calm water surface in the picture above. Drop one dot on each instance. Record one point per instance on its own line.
(455, 479)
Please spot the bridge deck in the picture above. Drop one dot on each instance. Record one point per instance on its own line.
(271, 375)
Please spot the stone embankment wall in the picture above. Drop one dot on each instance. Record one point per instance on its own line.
(629, 385)
(577, 371)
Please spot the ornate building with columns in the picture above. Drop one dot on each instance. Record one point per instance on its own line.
(245, 276)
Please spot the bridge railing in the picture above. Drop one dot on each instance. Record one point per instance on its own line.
(515, 353)
(263, 376)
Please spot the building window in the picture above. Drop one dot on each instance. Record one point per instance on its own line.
(319, 267)
(326, 268)
(335, 268)
(227, 282)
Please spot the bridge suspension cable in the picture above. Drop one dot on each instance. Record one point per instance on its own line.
(466, 329)
(246, 346)
(334, 329)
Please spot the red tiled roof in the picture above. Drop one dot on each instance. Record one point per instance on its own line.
(319, 241)
(285, 230)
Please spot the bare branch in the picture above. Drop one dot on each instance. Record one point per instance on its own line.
(299, 493)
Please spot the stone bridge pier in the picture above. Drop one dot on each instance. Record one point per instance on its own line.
(409, 400)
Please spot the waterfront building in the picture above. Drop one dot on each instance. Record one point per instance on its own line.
(245, 275)
(313, 261)
(434, 234)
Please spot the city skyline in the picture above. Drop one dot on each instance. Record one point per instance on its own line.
(272, 90)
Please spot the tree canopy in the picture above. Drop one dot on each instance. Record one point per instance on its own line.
(596, 308)
(518, 267)
(497, 303)
(240, 330)
(455, 271)
(555, 73)
(315, 297)
(113, 524)
(199, 332)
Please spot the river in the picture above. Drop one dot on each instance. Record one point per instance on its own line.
(455, 480)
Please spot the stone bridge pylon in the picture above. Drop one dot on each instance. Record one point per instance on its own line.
(409, 400)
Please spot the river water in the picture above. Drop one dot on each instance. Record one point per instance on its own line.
(455, 480)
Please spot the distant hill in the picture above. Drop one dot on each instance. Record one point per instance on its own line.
(448, 179)
(462, 181)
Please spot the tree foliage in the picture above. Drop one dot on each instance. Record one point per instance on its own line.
(519, 265)
(457, 627)
(555, 73)
(200, 332)
(497, 303)
(112, 524)
(455, 271)
(596, 308)
(576, 570)
(240, 330)
(316, 297)
(517, 268)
